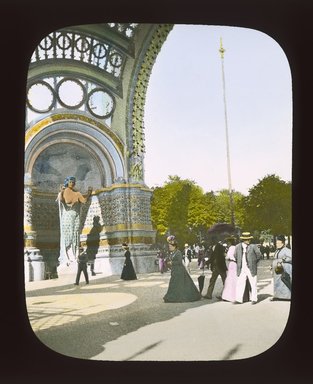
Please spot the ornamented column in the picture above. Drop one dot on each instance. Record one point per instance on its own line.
(137, 144)
(34, 266)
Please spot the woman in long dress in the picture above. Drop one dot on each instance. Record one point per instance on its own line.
(229, 291)
(181, 287)
(70, 202)
(282, 279)
(128, 272)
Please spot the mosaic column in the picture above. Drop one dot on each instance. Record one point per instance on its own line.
(34, 266)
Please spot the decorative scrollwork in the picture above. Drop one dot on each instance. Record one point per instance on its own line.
(80, 47)
(138, 146)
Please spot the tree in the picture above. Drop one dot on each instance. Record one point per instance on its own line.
(178, 210)
(169, 207)
(268, 206)
(159, 211)
(201, 213)
(223, 209)
(266, 236)
(182, 209)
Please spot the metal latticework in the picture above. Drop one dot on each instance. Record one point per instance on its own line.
(68, 45)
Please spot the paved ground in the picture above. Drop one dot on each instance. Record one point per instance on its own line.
(115, 320)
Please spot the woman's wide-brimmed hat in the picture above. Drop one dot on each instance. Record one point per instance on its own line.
(171, 240)
(246, 236)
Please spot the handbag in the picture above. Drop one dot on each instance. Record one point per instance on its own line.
(279, 269)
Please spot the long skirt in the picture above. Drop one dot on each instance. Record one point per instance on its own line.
(282, 290)
(229, 291)
(181, 287)
(162, 266)
(69, 233)
(128, 271)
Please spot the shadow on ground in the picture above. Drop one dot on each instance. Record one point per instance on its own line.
(86, 337)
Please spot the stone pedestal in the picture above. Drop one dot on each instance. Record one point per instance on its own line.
(34, 266)
(110, 261)
(65, 269)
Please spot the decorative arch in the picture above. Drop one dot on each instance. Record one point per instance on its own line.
(102, 145)
(113, 149)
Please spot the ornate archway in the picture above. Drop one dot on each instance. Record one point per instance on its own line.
(85, 116)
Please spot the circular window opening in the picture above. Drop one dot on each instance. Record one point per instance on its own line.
(40, 97)
(71, 93)
(100, 103)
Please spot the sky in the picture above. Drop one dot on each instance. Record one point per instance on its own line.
(185, 122)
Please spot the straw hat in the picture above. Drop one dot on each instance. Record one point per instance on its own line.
(246, 236)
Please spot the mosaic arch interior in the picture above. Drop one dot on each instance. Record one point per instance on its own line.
(84, 117)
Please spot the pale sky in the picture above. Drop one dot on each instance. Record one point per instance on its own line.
(185, 114)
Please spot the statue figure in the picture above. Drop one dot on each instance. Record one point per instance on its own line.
(70, 201)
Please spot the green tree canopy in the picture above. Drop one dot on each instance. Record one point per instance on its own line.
(223, 208)
(181, 208)
(268, 206)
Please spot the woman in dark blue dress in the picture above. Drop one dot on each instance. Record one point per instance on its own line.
(181, 287)
(128, 272)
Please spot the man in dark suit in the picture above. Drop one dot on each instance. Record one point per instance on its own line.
(217, 264)
(82, 265)
(247, 257)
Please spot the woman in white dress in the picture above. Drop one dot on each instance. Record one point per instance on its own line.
(229, 291)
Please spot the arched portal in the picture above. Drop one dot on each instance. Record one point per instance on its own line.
(85, 107)
(73, 145)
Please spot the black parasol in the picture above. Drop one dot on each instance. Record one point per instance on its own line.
(201, 282)
(285, 277)
(221, 229)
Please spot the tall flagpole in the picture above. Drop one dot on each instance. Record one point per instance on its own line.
(222, 51)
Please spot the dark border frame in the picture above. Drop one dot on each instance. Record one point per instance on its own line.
(23, 25)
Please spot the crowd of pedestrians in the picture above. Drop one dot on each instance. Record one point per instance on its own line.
(234, 261)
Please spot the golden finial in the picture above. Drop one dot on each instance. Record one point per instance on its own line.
(221, 50)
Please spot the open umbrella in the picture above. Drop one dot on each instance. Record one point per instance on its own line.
(221, 229)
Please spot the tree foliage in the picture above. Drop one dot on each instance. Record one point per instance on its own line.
(181, 208)
(223, 207)
(268, 206)
(178, 208)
